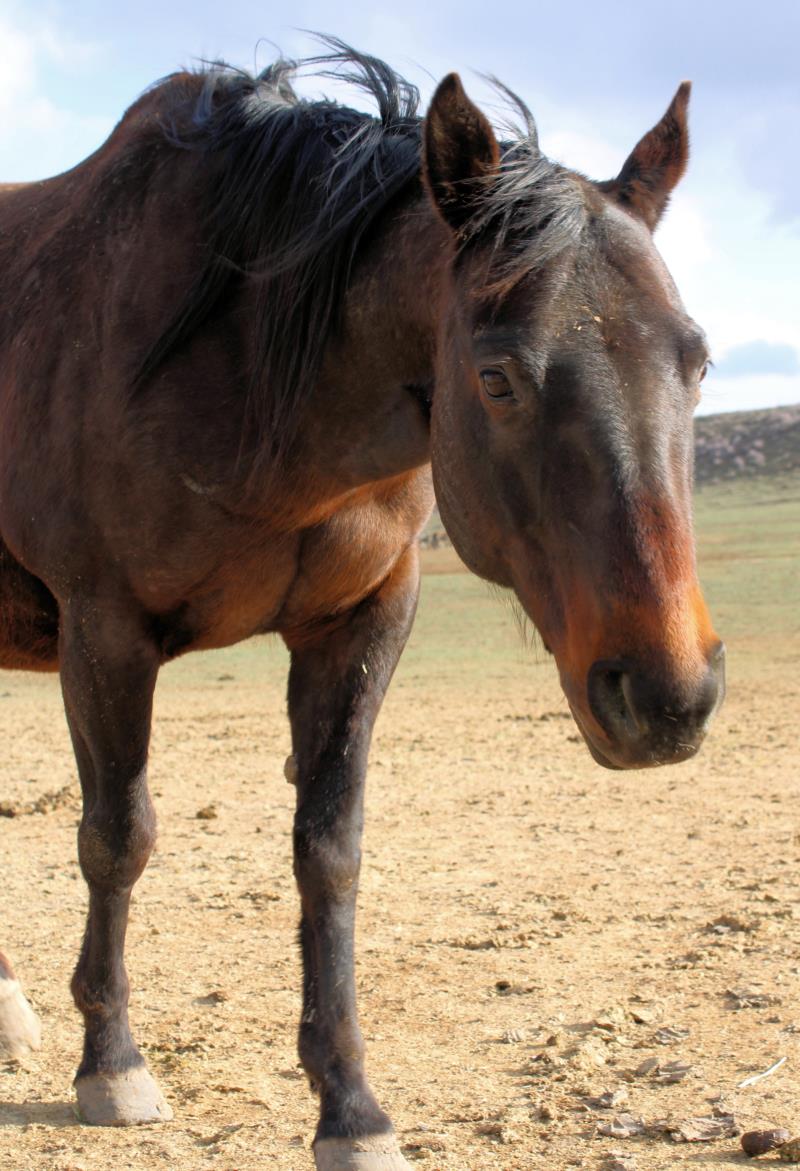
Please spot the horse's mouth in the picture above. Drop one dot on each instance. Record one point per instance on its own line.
(653, 757)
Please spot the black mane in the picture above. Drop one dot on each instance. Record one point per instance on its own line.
(302, 182)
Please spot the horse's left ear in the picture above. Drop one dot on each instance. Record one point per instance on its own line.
(459, 150)
(656, 164)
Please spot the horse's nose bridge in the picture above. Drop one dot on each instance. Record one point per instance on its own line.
(673, 628)
(633, 618)
(654, 535)
(629, 538)
(629, 593)
(653, 583)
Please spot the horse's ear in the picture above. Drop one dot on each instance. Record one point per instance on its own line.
(459, 149)
(656, 164)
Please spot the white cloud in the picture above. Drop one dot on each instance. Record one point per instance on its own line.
(58, 46)
(582, 152)
(759, 357)
(17, 59)
(38, 136)
(684, 238)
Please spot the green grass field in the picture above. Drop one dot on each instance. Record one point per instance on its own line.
(749, 558)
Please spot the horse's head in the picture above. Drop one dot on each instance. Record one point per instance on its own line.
(567, 374)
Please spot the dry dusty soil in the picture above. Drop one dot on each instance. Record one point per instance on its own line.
(545, 947)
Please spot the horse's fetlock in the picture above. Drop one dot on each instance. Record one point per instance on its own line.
(99, 1000)
(330, 1057)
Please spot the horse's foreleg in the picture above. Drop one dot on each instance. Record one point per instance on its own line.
(108, 671)
(20, 1031)
(336, 686)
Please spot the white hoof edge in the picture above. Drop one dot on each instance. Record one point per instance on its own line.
(20, 1031)
(121, 1099)
(375, 1153)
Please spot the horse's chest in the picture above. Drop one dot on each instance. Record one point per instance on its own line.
(345, 559)
(325, 569)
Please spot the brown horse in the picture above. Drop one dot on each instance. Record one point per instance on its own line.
(233, 342)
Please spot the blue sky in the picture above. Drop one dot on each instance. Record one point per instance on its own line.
(596, 76)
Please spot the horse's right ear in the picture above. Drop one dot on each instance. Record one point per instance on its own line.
(459, 149)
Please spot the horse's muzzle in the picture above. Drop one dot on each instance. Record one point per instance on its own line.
(647, 718)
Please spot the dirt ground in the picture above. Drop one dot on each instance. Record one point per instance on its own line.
(535, 932)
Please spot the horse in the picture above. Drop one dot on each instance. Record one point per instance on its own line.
(241, 346)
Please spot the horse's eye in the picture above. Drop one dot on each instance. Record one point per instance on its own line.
(496, 384)
(705, 370)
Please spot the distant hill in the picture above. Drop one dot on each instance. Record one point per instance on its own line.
(747, 443)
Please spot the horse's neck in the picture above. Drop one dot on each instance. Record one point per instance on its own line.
(369, 412)
(405, 273)
(395, 305)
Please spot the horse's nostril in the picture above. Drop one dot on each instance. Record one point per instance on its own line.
(610, 699)
(633, 706)
(630, 702)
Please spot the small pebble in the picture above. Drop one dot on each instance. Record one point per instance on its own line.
(790, 1152)
(758, 1142)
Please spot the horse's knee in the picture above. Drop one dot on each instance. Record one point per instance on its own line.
(325, 866)
(114, 845)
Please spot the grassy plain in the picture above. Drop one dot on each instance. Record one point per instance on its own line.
(749, 557)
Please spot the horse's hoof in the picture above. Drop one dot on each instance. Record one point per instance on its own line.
(20, 1031)
(376, 1153)
(121, 1099)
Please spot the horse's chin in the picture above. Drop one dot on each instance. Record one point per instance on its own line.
(600, 757)
(597, 754)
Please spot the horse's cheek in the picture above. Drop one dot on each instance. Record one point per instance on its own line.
(466, 490)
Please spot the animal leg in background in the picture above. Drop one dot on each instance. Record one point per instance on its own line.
(20, 1031)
